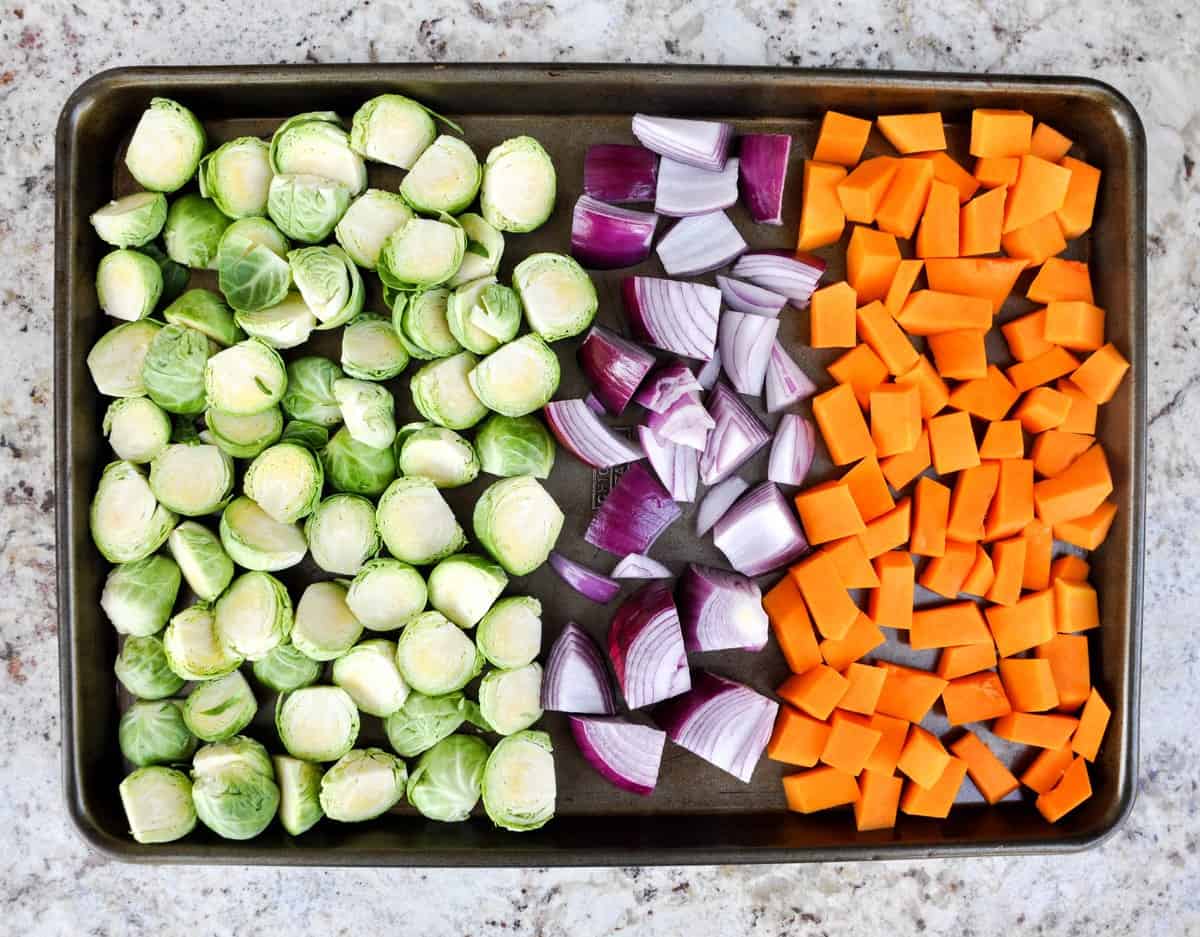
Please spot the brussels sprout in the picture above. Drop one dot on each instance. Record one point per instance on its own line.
(315, 144)
(136, 428)
(205, 312)
(518, 378)
(416, 523)
(307, 208)
(166, 146)
(463, 301)
(175, 276)
(423, 721)
(285, 480)
(368, 411)
(192, 479)
(356, 468)
(144, 669)
(317, 723)
(510, 634)
(439, 454)
(299, 793)
(236, 176)
(201, 558)
(497, 312)
(446, 781)
(369, 674)
(309, 395)
(126, 519)
(219, 709)
(519, 185)
(285, 669)
(485, 247)
(367, 223)
(518, 783)
(307, 434)
(254, 616)
(325, 628)
(252, 267)
(138, 597)
(193, 649)
(441, 392)
(444, 178)
(435, 656)
(154, 733)
(285, 325)
(510, 699)
(341, 533)
(464, 586)
(128, 284)
(425, 252)
(509, 446)
(246, 378)
(558, 295)
(371, 349)
(364, 784)
(115, 361)
(392, 129)
(158, 804)
(329, 282)
(233, 788)
(244, 437)
(131, 221)
(517, 522)
(420, 321)
(257, 541)
(173, 371)
(385, 594)
(193, 231)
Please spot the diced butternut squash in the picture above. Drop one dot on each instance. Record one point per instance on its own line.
(828, 512)
(965, 659)
(831, 317)
(987, 772)
(931, 510)
(938, 233)
(1039, 550)
(1061, 280)
(952, 442)
(1026, 336)
(1047, 769)
(852, 563)
(901, 469)
(879, 330)
(862, 191)
(821, 217)
(1048, 143)
(902, 284)
(948, 626)
(997, 171)
(1079, 206)
(991, 278)
(1089, 531)
(1053, 451)
(872, 258)
(989, 398)
(1012, 506)
(981, 574)
(981, 224)
(792, 626)
(1041, 730)
(1023, 625)
(842, 425)
(974, 489)
(842, 139)
(959, 355)
(927, 312)
(945, 169)
(913, 133)
(869, 489)
(923, 758)
(1075, 324)
(1054, 363)
(862, 369)
(878, 801)
(1008, 560)
(1072, 790)
(1071, 568)
(849, 745)
(1101, 374)
(1077, 490)
(932, 388)
(1036, 242)
(1043, 408)
(1029, 683)
(832, 609)
(866, 682)
(1003, 439)
(1076, 607)
(908, 693)
(1081, 418)
(816, 691)
(1092, 723)
(859, 640)
(820, 788)
(798, 738)
(889, 531)
(891, 605)
(946, 574)
(975, 698)
(887, 752)
(905, 198)
(1000, 132)
(895, 418)
(1040, 190)
(935, 801)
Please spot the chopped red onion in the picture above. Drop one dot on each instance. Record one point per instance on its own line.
(745, 342)
(746, 297)
(702, 143)
(764, 171)
(785, 384)
(576, 680)
(684, 190)
(587, 582)
(794, 275)
(628, 754)
(605, 237)
(673, 316)
(594, 404)
(738, 434)
(613, 366)
(720, 610)
(707, 376)
(619, 172)
(760, 532)
(699, 244)
(686, 422)
(635, 513)
(646, 647)
(717, 501)
(639, 566)
(665, 385)
(793, 450)
(676, 466)
(581, 431)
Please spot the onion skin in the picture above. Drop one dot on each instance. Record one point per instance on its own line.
(764, 161)
(635, 513)
(608, 237)
(587, 582)
(619, 172)
(614, 367)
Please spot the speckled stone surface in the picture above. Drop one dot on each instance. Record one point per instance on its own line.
(1143, 881)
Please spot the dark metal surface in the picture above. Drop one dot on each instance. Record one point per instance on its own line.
(698, 814)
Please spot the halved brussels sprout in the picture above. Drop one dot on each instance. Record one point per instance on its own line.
(435, 656)
(329, 282)
(497, 312)
(244, 437)
(136, 428)
(416, 523)
(317, 723)
(299, 793)
(144, 669)
(425, 252)
(508, 446)
(464, 586)
(354, 467)
(193, 231)
(158, 804)
(206, 312)
(236, 176)
(518, 378)
(519, 185)
(439, 454)
(217, 710)
(446, 781)
(173, 371)
(285, 669)
(485, 247)
(517, 522)
(368, 411)
(519, 790)
(115, 361)
(385, 594)
(307, 208)
(371, 349)
(191, 478)
(463, 301)
(193, 649)
(510, 699)
(154, 733)
(254, 617)
(510, 634)
(367, 223)
(128, 284)
(309, 395)
(257, 541)
(138, 596)
(441, 392)
(369, 674)
(315, 144)
(307, 434)
(392, 129)
(126, 519)
(245, 379)
(341, 533)
(285, 480)
(166, 146)
(420, 321)
(239, 750)
(364, 784)
(444, 178)
(423, 721)
(131, 221)
(201, 558)
(285, 325)
(324, 627)
(252, 267)
(233, 788)
(558, 295)
(175, 276)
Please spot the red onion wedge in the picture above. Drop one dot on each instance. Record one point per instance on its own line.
(639, 566)
(627, 754)
(699, 244)
(760, 532)
(618, 172)
(684, 190)
(793, 275)
(707, 376)
(745, 342)
(738, 434)
(764, 158)
(673, 316)
(635, 513)
(676, 466)
(717, 501)
(646, 647)
(719, 610)
(613, 366)
(686, 422)
(581, 431)
(594, 404)
(605, 237)
(785, 384)
(576, 679)
(724, 722)
(793, 450)
(746, 297)
(665, 385)
(702, 143)
(587, 582)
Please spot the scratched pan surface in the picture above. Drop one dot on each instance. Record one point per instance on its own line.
(698, 814)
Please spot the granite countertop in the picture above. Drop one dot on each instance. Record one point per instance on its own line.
(1143, 880)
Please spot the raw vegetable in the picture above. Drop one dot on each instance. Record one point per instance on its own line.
(607, 237)
(245, 379)
(392, 129)
(315, 143)
(219, 709)
(309, 395)
(464, 586)
(677, 466)
(518, 378)
(617, 172)
(576, 679)
(205, 565)
(719, 610)
(700, 243)
(581, 431)
(131, 221)
(435, 656)
(485, 247)
(423, 721)
(741, 296)
(126, 520)
(236, 176)
(746, 342)
(558, 296)
(385, 594)
(444, 178)
(646, 648)
(673, 316)
(634, 515)
(144, 669)
(299, 793)
(425, 252)
(793, 275)
(317, 723)
(363, 784)
(154, 733)
(443, 393)
(626, 753)
(685, 190)
(324, 627)
(138, 596)
(368, 410)
(509, 446)
(166, 146)
(193, 230)
(508, 699)
(357, 468)
(371, 349)
(415, 522)
(341, 533)
(369, 674)
(587, 582)
(519, 185)
(233, 788)
(518, 523)
(446, 782)
(759, 533)
(510, 634)
(700, 143)
(128, 284)
(666, 386)
(441, 455)
(518, 786)
(685, 422)
(193, 647)
(285, 481)
(764, 160)
(244, 437)
(158, 804)
(793, 450)
(737, 435)
(285, 669)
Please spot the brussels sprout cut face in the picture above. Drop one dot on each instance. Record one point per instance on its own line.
(422, 324)
(364, 784)
(285, 669)
(510, 446)
(463, 587)
(441, 392)
(519, 185)
(317, 723)
(424, 721)
(138, 597)
(192, 479)
(217, 710)
(341, 534)
(193, 231)
(368, 411)
(236, 176)
(206, 312)
(371, 349)
(137, 428)
(485, 247)
(145, 670)
(285, 480)
(510, 634)
(173, 371)
(309, 395)
(518, 378)
(193, 649)
(439, 454)
(244, 437)
(392, 129)
(201, 558)
(158, 805)
(519, 790)
(245, 379)
(254, 617)
(285, 325)
(299, 793)
(510, 699)
(154, 733)
(368, 222)
(127, 521)
(369, 674)
(423, 253)
(354, 467)
(256, 541)
(329, 282)
(116, 360)
(325, 628)
(435, 656)
(446, 781)
(415, 522)
(315, 144)
(131, 221)
(558, 295)
(233, 788)
(128, 284)
(385, 594)
(461, 320)
(166, 146)
(307, 208)
(444, 178)
(251, 269)
(518, 523)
